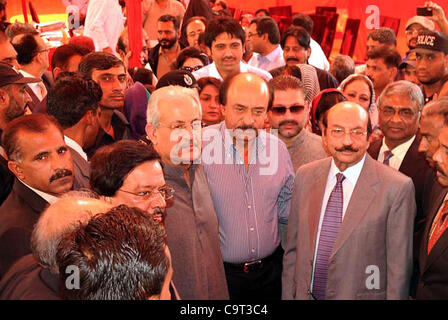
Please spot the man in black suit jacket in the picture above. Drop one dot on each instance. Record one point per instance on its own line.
(74, 101)
(433, 259)
(35, 276)
(399, 107)
(43, 167)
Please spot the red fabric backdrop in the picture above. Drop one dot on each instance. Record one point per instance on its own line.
(401, 9)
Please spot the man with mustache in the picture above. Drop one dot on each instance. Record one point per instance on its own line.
(433, 257)
(288, 115)
(43, 169)
(432, 63)
(128, 172)
(225, 38)
(297, 50)
(399, 108)
(13, 103)
(350, 226)
(109, 72)
(251, 182)
(174, 128)
(164, 54)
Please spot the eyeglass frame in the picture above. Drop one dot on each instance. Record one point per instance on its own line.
(191, 125)
(153, 194)
(355, 134)
(303, 107)
(191, 69)
(395, 112)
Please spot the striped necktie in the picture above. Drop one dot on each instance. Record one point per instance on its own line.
(438, 227)
(387, 155)
(330, 228)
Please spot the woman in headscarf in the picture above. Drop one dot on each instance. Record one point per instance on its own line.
(359, 88)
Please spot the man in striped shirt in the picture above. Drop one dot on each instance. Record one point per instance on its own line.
(250, 176)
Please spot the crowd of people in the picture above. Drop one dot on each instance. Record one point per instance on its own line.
(236, 163)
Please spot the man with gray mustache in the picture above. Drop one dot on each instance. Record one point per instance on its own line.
(43, 169)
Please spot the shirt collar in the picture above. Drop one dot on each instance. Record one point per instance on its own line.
(75, 146)
(351, 173)
(47, 197)
(400, 150)
(229, 147)
(273, 55)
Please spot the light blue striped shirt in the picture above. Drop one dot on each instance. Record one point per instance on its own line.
(250, 202)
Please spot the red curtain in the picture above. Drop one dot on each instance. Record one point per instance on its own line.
(134, 21)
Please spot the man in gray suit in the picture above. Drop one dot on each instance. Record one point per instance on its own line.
(351, 222)
(74, 101)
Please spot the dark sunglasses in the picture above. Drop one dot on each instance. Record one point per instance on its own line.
(190, 69)
(292, 109)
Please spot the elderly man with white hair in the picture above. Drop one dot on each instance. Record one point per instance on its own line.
(399, 108)
(35, 276)
(174, 129)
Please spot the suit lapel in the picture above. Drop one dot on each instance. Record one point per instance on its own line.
(362, 196)
(36, 202)
(316, 197)
(408, 166)
(440, 245)
(374, 149)
(430, 218)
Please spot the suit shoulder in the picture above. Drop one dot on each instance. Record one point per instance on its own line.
(390, 175)
(311, 167)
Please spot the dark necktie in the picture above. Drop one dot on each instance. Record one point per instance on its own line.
(387, 155)
(330, 228)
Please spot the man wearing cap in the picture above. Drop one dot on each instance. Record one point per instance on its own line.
(13, 104)
(432, 62)
(413, 27)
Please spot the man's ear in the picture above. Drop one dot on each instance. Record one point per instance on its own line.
(393, 73)
(4, 98)
(16, 169)
(56, 72)
(90, 118)
(308, 53)
(151, 133)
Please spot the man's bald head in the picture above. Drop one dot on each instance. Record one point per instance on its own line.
(59, 218)
(346, 132)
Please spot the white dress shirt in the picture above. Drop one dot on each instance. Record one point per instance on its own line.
(47, 197)
(211, 71)
(75, 146)
(36, 86)
(104, 23)
(317, 57)
(270, 61)
(348, 185)
(398, 152)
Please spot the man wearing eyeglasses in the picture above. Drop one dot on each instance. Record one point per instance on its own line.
(289, 114)
(174, 129)
(265, 38)
(350, 226)
(32, 55)
(130, 173)
(399, 108)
